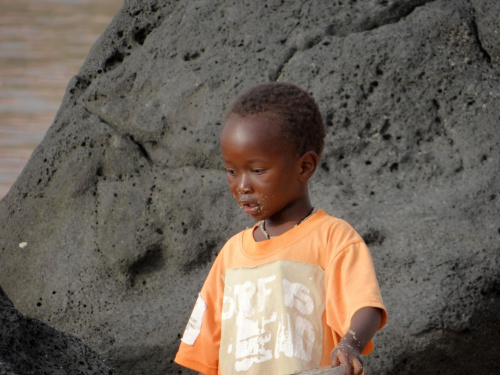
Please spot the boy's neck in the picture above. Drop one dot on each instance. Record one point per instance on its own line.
(285, 220)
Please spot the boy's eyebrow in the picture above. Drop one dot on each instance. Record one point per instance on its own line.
(256, 160)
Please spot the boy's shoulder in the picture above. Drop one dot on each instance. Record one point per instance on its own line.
(238, 237)
(329, 219)
(338, 227)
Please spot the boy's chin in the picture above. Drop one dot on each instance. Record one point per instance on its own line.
(258, 216)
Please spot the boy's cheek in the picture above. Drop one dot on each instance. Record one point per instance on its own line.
(232, 187)
(234, 194)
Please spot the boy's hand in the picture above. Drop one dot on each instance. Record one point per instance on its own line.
(364, 323)
(349, 356)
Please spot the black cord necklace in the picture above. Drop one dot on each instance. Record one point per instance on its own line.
(263, 224)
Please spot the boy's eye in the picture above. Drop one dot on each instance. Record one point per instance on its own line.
(258, 170)
(230, 172)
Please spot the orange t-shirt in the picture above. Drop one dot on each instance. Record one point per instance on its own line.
(280, 306)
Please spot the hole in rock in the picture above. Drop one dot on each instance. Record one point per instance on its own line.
(373, 237)
(151, 261)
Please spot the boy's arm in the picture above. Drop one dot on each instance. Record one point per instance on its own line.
(364, 323)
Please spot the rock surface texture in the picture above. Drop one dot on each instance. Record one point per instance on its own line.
(28, 346)
(124, 205)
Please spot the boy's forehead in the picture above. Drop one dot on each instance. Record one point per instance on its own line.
(256, 132)
(266, 123)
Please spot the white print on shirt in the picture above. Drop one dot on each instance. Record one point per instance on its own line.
(193, 327)
(297, 295)
(272, 313)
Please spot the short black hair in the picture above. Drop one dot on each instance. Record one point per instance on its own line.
(301, 123)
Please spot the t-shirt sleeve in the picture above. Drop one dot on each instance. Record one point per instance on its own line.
(351, 284)
(199, 347)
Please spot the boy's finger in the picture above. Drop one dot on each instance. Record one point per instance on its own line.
(352, 364)
(334, 358)
(345, 360)
(357, 366)
(348, 370)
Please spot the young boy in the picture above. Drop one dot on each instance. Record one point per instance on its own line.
(297, 291)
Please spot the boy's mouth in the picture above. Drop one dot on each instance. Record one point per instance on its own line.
(251, 208)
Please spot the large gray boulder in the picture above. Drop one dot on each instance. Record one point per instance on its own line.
(123, 205)
(28, 346)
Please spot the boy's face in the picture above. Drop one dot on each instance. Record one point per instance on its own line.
(262, 169)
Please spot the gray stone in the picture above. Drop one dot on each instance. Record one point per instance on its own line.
(29, 346)
(123, 205)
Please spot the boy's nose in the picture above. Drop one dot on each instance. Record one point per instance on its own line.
(244, 185)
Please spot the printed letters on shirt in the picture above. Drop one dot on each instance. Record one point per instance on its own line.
(193, 327)
(272, 313)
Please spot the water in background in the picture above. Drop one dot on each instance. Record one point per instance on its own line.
(43, 43)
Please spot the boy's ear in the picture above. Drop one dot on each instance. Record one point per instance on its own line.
(308, 164)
